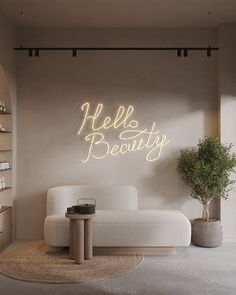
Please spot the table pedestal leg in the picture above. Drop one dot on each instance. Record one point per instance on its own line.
(72, 239)
(79, 241)
(88, 241)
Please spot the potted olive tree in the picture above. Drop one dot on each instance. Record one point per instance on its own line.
(206, 169)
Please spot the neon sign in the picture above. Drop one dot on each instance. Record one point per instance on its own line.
(132, 137)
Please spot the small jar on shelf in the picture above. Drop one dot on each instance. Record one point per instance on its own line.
(4, 165)
(2, 107)
(3, 182)
(2, 128)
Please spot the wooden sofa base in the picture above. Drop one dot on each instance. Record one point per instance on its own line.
(120, 250)
(134, 250)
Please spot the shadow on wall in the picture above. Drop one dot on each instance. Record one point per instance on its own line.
(166, 175)
(30, 209)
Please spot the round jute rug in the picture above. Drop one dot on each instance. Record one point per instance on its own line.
(29, 262)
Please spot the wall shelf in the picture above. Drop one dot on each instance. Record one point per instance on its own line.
(4, 208)
(1, 131)
(5, 189)
(2, 151)
(1, 170)
(5, 113)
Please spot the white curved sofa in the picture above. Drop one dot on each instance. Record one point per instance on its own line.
(118, 222)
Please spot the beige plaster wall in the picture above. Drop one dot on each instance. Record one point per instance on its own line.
(179, 93)
(227, 89)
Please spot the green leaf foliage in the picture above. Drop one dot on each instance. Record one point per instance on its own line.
(207, 168)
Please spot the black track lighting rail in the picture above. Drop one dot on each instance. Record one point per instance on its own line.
(179, 50)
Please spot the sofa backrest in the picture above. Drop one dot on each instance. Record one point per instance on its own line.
(112, 197)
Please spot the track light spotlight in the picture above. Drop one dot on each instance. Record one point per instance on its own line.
(185, 52)
(209, 51)
(30, 52)
(179, 52)
(74, 53)
(36, 53)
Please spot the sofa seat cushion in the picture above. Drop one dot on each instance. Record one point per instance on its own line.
(56, 230)
(114, 228)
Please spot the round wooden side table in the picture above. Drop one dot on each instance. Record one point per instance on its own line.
(81, 236)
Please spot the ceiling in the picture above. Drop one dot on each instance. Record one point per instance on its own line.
(119, 13)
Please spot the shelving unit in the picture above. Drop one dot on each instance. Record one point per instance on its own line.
(6, 141)
(6, 199)
(3, 156)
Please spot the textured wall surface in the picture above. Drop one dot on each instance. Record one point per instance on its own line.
(180, 94)
(227, 90)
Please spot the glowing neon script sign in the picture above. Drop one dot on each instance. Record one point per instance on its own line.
(133, 138)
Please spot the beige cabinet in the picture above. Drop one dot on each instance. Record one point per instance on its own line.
(5, 226)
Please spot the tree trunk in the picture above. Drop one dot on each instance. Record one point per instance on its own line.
(205, 213)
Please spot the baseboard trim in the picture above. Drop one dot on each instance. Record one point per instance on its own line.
(134, 250)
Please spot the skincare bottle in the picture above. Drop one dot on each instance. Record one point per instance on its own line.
(0, 183)
(0, 106)
(3, 183)
(3, 107)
